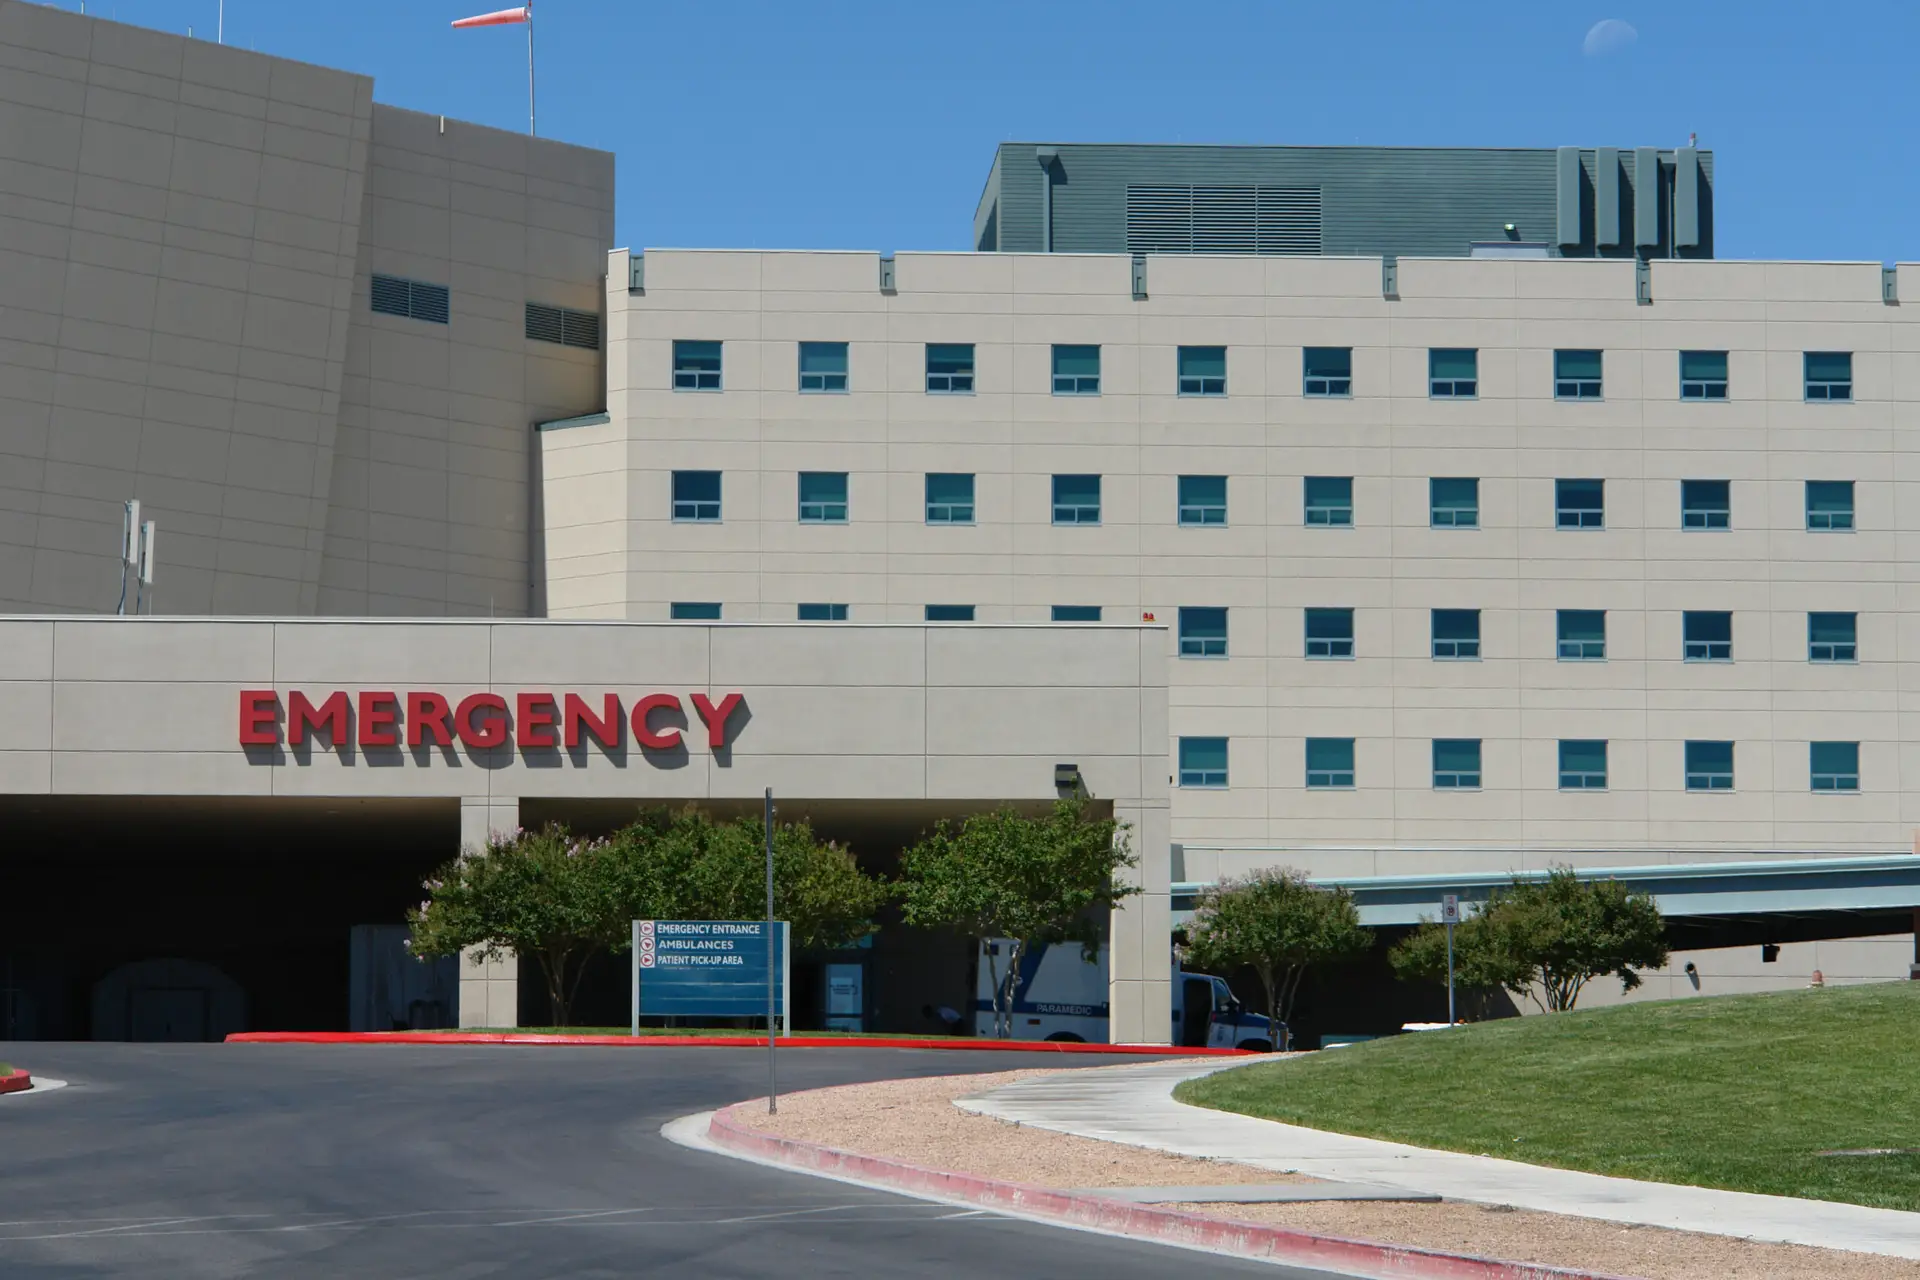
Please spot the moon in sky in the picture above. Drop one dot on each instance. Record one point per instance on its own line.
(1609, 35)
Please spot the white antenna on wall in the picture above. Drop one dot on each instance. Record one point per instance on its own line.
(129, 548)
(221, 30)
(146, 567)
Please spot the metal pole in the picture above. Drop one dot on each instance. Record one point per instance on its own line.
(532, 130)
(773, 1101)
(1450, 1018)
(635, 1016)
(221, 30)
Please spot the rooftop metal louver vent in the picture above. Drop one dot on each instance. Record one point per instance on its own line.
(568, 328)
(1218, 219)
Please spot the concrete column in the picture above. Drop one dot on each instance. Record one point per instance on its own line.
(1140, 976)
(489, 991)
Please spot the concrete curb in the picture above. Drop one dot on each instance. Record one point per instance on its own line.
(1144, 1222)
(735, 1042)
(15, 1082)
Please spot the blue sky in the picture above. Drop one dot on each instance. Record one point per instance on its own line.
(871, 126)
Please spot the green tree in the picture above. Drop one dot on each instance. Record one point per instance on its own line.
(1043, 880)
(1483, 962)
(685, 865)
(1279, 924)
(1545, 939)
(544, 894)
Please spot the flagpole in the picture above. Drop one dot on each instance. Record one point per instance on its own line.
(532, 129)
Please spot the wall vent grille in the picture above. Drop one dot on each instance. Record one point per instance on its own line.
(414, 299)
(559, 325)
(1223, 219)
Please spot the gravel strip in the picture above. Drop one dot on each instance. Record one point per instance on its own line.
(916, 1121)
(1553, 1239)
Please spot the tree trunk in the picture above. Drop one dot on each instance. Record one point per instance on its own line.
(553, 968)
(1270, 983)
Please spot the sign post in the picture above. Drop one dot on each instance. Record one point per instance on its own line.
(773, 1094)
(1450, 914)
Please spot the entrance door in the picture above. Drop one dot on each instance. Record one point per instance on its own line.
(1196, 1011)
(169, 1013)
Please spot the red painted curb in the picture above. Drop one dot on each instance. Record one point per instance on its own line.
(1148, 1222)
(15, 1082)
(738, 1042)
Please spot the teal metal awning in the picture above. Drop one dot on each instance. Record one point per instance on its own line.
(1800, 886)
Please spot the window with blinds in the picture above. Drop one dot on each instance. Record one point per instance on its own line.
(414, 299)
(1216, 219)
(564, 327)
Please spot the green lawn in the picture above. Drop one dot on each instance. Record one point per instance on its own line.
(1738, 1092)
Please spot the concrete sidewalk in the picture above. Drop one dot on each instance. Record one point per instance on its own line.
(1135, 1106)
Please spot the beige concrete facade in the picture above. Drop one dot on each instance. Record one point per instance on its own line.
(950, 716)
(187, 235)
(613, 549)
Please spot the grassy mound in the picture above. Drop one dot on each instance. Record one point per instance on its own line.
(1737, 1092)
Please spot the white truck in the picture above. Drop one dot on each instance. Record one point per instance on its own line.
(1058, 995)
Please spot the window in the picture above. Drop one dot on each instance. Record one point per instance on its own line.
(1709, 766)
(1329, 763)
(1832, 637)
(949, 368)
(1456, 633)
(696, 366)
(949, 498)
(1329, 633)
(1203, 371)
(1327, 371)
(1583, 764)
(1203, 499)
(566, 327)
(413, 299)
(1829, 375)
(1580, 504)
(823, 497)
(1583, 634)
(1834, 766)
(1706, 504)
(823, 366)
(1203, 762)
(1829, 504)
(1329, 500)
(1453, 502)
(1703, 375)
(696, 495)
(1456, 763)
(1709, 636)
(1076, 613)
(1076, 499)
(1203, 633)
(949, 613)
(1576, 375)
(823, 613)
(1453, 373)
(1076, 371)
(690, 611)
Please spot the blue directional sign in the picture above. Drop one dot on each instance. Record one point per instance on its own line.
(708, 968)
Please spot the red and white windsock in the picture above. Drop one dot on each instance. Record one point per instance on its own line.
(500, 18)
(509, 18)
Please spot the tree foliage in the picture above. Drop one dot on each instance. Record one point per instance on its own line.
(560, 899)
(1279, 924)
(545, 894)
(1034, 880)
(1546, 939)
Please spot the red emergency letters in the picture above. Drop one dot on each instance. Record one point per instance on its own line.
(534, 720)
